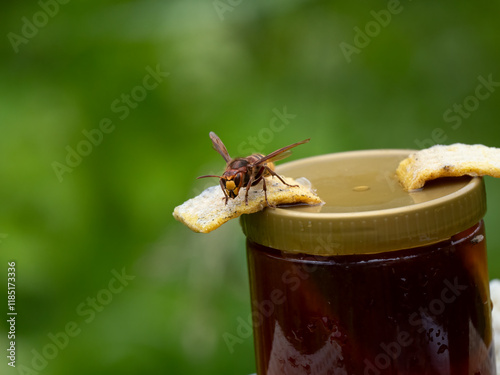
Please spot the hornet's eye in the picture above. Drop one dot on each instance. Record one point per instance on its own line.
(237, 180)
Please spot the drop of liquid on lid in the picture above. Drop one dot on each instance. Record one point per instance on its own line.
(361, 188)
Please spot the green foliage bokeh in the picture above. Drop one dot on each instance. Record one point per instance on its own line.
(232, 67)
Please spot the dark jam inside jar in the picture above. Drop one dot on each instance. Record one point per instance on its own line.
(423, 310)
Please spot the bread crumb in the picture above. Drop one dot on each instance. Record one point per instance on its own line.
(208, 210)
(448, 161)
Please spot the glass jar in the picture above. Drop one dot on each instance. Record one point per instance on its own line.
(375, 281)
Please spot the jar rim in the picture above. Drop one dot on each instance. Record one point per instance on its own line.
(387, 219)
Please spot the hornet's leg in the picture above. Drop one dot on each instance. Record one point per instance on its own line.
(273, 173)
(223, 190)
(265, 193)
(250, 181)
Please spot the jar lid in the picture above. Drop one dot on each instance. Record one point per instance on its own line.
(366, 210)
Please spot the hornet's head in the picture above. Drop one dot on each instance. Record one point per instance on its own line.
(231, 183)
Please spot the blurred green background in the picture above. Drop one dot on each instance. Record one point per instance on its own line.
(157, 76)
